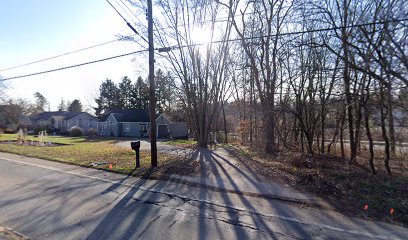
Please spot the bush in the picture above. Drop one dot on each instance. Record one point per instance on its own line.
(64, 133)
(75, 132)
(9, 130)
(92, 132)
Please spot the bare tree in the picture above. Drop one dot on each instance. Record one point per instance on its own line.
(202, 73)
(261, 43)
(3, 88)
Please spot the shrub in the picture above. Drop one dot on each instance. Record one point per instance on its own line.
(64, 133)
(9, 130)
(92, 132)
(75, 131)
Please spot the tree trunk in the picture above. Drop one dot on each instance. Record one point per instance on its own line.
(225, 125)
(343, 155)
(322, 127)
(384, 133)
(370, 140)
(391, 129)
(347, 80)
(270, 130)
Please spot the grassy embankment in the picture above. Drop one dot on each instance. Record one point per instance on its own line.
(349, 187)
(83, 151)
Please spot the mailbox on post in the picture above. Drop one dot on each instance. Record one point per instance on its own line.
(136, 147)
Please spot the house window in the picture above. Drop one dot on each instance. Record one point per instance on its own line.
(143, 127)
(126, 127)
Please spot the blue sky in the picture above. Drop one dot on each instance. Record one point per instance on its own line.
(35, 29)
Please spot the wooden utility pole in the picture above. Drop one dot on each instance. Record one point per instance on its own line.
(152, 97)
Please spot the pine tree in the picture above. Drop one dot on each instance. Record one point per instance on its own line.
(140, 94)
(125, 93)
(75, 106)
(40, 102)
(108, 99)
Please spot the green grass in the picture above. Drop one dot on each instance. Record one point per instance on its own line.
(82, 151)
(181, 142)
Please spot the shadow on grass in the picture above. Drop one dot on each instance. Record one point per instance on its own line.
(347, 187)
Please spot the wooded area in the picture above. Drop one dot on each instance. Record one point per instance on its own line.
(312, 75)
(321, 77)
(304, 75)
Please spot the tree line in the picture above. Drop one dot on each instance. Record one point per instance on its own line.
(12, 109)
(135, 95)
(317, 76)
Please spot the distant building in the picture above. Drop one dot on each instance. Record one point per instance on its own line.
(60, 121)
(136, 123)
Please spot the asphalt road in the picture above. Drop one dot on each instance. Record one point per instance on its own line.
(48, 200)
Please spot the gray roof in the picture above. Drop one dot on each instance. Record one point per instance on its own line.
(44, 116)
(128, 115)
(71, 115)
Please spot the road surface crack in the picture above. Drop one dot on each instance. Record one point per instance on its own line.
(148, 226)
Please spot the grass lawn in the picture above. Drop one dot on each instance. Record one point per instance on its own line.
(82, 151)
(349, 188)
(182, 143)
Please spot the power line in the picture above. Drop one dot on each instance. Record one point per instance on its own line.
(79, 50)
(215, 20)
(191, 45)
(124, 9)
(166, 49)
(60, 55)
(131, 12)
(73, 66)
(127, 23)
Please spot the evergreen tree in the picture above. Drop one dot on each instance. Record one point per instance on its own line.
(75, 106)
(125, 93)
(40, 102)
(165, 91)
(109, 97)
(140, 94)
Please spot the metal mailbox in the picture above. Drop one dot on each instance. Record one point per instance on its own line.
(136, 147)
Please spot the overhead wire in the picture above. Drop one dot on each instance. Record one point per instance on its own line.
(127, 23)
(59, 55)
(157, 29)
(132, 14)
(198, 44)
(75, 51)
(73, 66)
(286, 34)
